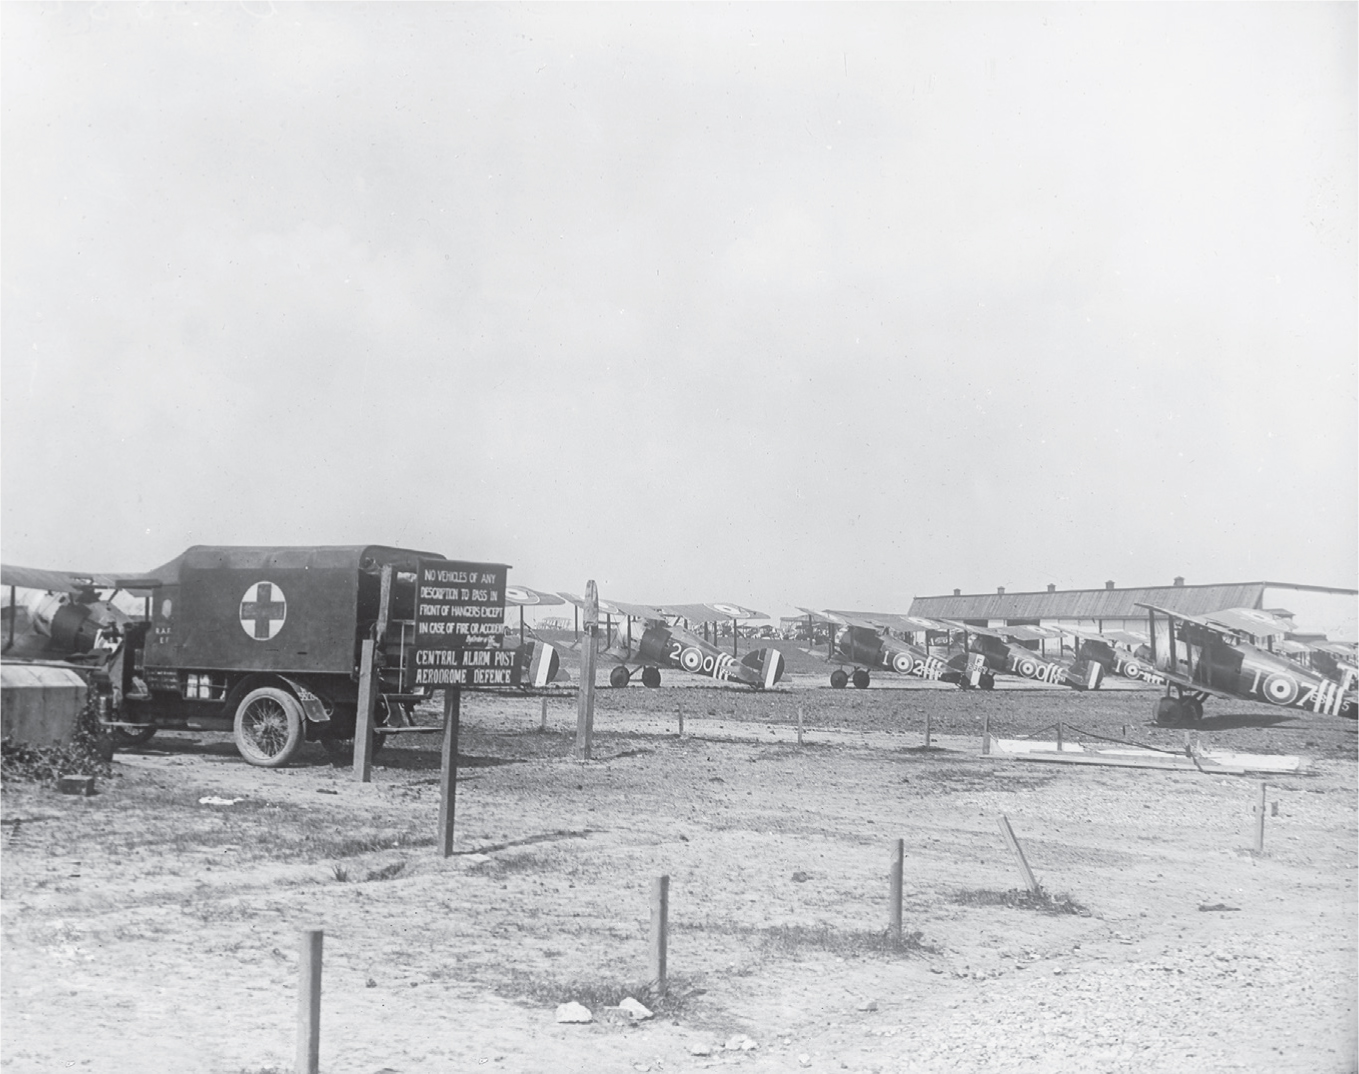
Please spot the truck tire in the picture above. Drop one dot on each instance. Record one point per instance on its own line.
(268, 727)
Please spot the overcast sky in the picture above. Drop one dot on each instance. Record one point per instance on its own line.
(827, 305)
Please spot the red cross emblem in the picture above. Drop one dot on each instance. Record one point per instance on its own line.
(263, 610)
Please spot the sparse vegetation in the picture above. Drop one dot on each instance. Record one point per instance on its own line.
(1044, 902)
(597, 993)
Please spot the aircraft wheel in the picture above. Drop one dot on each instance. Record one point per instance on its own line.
(651, 677)
(619, 677)
(860, 679)
(268, 727)
(839, 680)
(130, 740)
(986, 682)
(1167, 711)
(1193, 708)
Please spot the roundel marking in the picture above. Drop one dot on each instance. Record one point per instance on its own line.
(730, 609)
(263, 611)
(691, 659)
(1281, 689)
(520, 596)
(1028, 668)
(902, 662)
(1132, 669)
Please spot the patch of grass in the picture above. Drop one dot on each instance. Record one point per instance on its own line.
(387, 872)
(339, 872)
(1044, 902)
(596, 992)
(793, 941)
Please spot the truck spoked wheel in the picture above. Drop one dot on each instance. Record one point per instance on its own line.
(268, 727)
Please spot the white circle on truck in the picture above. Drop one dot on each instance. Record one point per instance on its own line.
(263, 611)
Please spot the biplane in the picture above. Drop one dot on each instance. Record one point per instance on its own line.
(1209, 655)
(863, 642)
(1002, 652)
(1119, 652)
(663, 642)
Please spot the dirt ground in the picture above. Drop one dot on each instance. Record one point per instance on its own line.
(155, 926)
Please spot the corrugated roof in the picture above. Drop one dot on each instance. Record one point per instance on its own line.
(1091, 603)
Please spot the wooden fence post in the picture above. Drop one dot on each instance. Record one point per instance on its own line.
(448, 768)
(799, 725)
(681, 716)
(542, 723)
(986, 734)
(585, 712)
(1260, 820)
(1059, 736)
(928, 728)
(309, 1004)
(660, 928)
(1024, 869)
(894, 889)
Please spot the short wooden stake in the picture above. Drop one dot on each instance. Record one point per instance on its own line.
(448, 768)
(1018, 851)
(927, 729)
(1125, 732)
(986, 734)
(681, 717)
(309, 1004)
(542, 724)
(894, 889)
(1260, 820)
(799, 725)
(660, 928)
(1059, 736)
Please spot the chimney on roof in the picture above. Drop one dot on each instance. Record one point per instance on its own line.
(957, 592)
(1052, 588)
(1109, 584)
(1001, 590)
(1179, 579)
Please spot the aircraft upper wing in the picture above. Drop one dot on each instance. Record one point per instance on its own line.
(707, 613)
(1250, 621)
(70, 581)
(523, 595)
(887, 620)
(619, 608)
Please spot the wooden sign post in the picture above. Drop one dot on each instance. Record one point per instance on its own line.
(448, 768)
(585, 711)
(459, 609)
(660, 930)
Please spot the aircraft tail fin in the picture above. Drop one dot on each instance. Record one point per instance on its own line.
(768, 663)
(536, 664)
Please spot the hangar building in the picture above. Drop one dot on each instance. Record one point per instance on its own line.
(1316, 610)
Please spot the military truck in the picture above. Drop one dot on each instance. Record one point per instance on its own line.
(267, 643)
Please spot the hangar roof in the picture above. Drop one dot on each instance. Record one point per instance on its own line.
(1095, 603)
